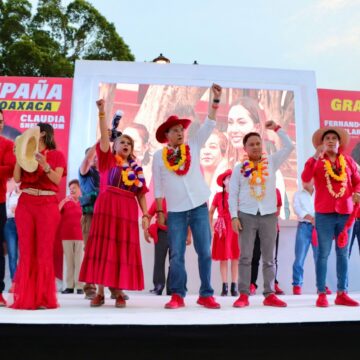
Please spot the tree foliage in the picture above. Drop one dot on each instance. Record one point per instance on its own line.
(48, 42)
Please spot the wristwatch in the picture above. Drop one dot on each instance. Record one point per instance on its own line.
(47, 169)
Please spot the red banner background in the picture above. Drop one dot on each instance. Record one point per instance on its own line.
(342, 108)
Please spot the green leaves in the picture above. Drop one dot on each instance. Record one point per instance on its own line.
(48, 42)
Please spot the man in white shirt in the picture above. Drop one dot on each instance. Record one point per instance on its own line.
(252, 203)
(305, 234)
(178, 178)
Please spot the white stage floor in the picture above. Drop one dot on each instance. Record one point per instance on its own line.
(143, 309)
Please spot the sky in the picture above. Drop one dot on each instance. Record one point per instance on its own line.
(318, 35)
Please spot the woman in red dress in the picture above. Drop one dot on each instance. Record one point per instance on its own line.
(225, 242)
(112, 255)
(37, 217)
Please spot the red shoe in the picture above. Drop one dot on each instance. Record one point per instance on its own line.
(343, 298)
(2, 300)
(252, 289)
(97, 301)
(273, 300)
(208, 302)
(322, 300)
(120, 302)
(297, 290)
(175, 302)
(328, 291)
(242, 301)
(278, 291)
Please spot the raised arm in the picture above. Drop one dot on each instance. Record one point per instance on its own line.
(207, 127)
(104, 134)
(86, 163)
(286, 144)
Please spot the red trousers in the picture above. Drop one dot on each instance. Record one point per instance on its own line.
(37, 219)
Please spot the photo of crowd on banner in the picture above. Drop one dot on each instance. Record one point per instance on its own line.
(212, 167)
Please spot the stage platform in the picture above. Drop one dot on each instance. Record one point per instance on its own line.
(144, 309)
(145, 330)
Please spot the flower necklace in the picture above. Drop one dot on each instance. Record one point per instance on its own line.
(342, 176)
(178, 160)
(257, 175)
(131, 173)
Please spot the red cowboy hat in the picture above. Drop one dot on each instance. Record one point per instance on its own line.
(220, 179)
(318, 134)
(170, 122)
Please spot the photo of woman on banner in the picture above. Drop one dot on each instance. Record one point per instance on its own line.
(246, 116)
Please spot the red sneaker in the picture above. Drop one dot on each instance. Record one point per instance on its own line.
(322, 300)
(343, 298)
(252, 289)
(273, 300)
(242, 301)
(208, 302)
(120, 302)
(97, 301)
(278, 291)
(175, 302)
(328, 291)
(297, 290)
(2, 300)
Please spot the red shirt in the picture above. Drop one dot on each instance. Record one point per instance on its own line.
(70, 226)
(38, 179)
(7, 164)
(324, 201)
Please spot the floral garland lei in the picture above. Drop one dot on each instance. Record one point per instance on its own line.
(131, 173)
(329, 172)
(257, 175)
(178, 160)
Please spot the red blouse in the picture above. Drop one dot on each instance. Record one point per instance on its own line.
(70, 224)
(7, 164)
(324, 201)
(38, 179)
(109, 169)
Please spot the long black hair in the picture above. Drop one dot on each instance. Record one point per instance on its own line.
(49, 139)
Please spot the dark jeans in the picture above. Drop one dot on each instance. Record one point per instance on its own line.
(11, 238)
(161, 250)
(2, 240)
(256, 259)
(355, 234)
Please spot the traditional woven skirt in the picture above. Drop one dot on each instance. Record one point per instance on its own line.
(225, 243)
(112, 254)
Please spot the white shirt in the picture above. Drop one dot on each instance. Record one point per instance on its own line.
(239, 188)
(303, 205)
(183, 192)
(11, 201)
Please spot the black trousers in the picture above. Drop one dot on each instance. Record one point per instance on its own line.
(161, 250)
(2, 241)
(256, 259)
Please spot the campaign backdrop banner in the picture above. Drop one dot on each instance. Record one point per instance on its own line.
(27, 101)
(342, 109)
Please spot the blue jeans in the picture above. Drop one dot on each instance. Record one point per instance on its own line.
(302, 244)
(178, 223)
(355, 234)
(11, 238)
(329, 226)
